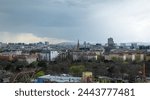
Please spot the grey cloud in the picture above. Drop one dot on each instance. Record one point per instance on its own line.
(91, 20)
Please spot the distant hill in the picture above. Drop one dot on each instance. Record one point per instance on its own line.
(67, 43)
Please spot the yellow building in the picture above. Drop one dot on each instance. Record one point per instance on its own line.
(87, 77)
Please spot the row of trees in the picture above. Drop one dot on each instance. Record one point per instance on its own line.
(126, 70)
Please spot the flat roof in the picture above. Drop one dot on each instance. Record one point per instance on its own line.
(61, 79)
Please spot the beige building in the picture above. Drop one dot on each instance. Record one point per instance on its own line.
(6, 57)
(28, 58)
(87, 77)
(125, 56)
(84, 56)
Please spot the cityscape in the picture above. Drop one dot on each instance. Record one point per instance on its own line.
(74, 41)
(74, 62)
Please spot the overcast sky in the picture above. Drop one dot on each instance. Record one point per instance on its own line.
(69, 20)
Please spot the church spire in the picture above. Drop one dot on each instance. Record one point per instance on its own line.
(78, 45)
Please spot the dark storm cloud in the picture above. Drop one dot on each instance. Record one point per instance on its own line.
(40, 16)
(91, 20)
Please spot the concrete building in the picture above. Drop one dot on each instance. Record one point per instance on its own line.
(48, 55)
(28, 58)
(14, 53)
(134, 46)
(9, 56)
(46, 43)
(63, 78)
(89, 55)
(111, 42)
(3, 45)
(6, 57)
(125, 56)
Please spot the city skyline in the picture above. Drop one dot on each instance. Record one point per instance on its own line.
(71, 20)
